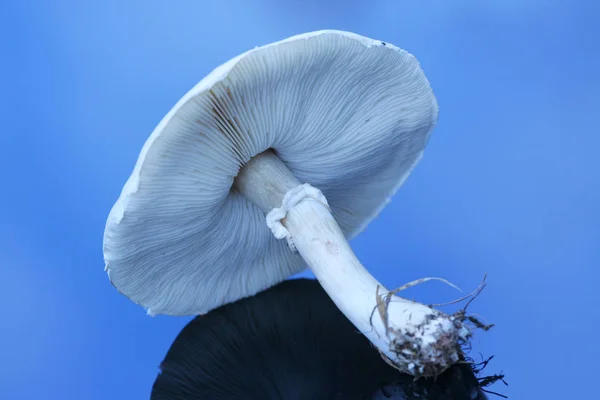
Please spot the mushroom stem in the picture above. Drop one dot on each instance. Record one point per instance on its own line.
(416, 339)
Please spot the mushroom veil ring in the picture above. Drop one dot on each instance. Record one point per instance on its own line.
(290, 199)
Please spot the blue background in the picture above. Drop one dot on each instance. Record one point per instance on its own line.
(510, 183)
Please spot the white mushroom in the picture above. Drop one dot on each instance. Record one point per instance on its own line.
(315, 132)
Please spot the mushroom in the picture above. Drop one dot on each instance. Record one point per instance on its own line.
(306, 140)
(291, 342)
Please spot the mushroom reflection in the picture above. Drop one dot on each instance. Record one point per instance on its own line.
(290, 342)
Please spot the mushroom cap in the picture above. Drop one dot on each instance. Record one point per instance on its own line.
(287, 342)
(345, 113)
(290, 342)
